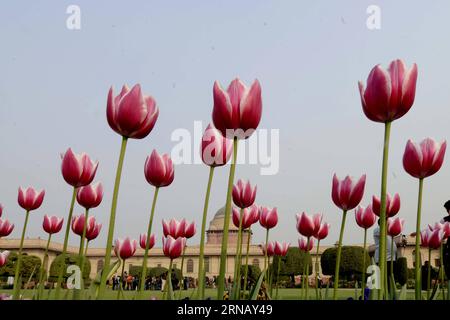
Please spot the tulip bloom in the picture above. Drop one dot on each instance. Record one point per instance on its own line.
(131, 113)
(424, 238)
(143, 239)
(125, 248)
(307, 225)
(365, 217)
(425, 159)
(243, 194)
(395, 226)
(1, 210)
(435, 238)
(3, 258)
(174, 228)
(159, 172)
(304, 244)
(90, 196)
(29, 199)
(422, 161)
(78, 169)
(322, 233)
(215, 149)
(52, 224)
(281, 248)
(270, 249)
(78, 224)
(346, 194)
(249, 215)
(93, 231)
(236, 114)
(238, 108)
(268, 217)
(172, 247)
(5, 228)
(392, 205)
(389, 94)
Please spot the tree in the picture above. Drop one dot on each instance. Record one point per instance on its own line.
(71, 259)
(30, 266)
(351, 261)
(253, 273)
(291, 264)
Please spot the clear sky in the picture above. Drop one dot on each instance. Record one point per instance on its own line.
(308, 56)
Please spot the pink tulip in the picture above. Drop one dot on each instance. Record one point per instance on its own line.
(215, 149)
(322, 233)
(3, 258)
(143, 241)
(445, 227)
(237, 108)
(125, 248)
(424, 238)
(30, 199)
(190, 230)
(172, 247)
(307, 225)
(365, 217)
(392, 205)
(268, 217)
(423, 160)
(395, 226)
(1, 210)
(78, 224)
(281, 248)
(93, 230)
(248, 216)
(304, 245)
(347, 194)
(435, 238)
(52, 224)
(5, 228)
(243, 194)
(90, 196)
(131, 113)
(389, 94)
(159, 170)
(270, 249)
(78, 169)
(174, 228)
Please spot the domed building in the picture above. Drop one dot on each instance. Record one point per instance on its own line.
(214, 234)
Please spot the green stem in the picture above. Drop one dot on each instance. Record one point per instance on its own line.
(265, 255)
(382, 250)
(278, 277)
(316, 265)
(223, 252)
(43, 269)
(418, 285)
(62, 271)
(122, 281)
(169, 282)
(363, 282)
(112, 220)
(338, 257)
(182, 278)
(17, 285)
(237, 264)
(201, 259)
(147, 244)
(77, 293)
(429, 274)
(86, 249)
(391, 273)
(246, 260)
(307, 271)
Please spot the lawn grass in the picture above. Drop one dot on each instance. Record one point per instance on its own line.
(283, 294)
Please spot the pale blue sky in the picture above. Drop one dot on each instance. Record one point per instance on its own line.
(307, 55)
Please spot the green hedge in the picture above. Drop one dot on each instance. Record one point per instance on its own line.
(71, 259)
(136, 271)
(351, 262)
(30, 266)
(293, 263)
(253, 273)
(401, 271)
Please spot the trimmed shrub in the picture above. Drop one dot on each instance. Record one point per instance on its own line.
(351, 262)
(71, 259)
(253, 273)
(401, 271)
(30, 266)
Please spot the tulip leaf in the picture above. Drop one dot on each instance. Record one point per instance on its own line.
(393, 292)
(257, 287)
(326, 291)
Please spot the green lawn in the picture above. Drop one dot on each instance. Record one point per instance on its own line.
(283, 294)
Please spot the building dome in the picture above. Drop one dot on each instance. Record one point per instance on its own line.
(217, 223)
